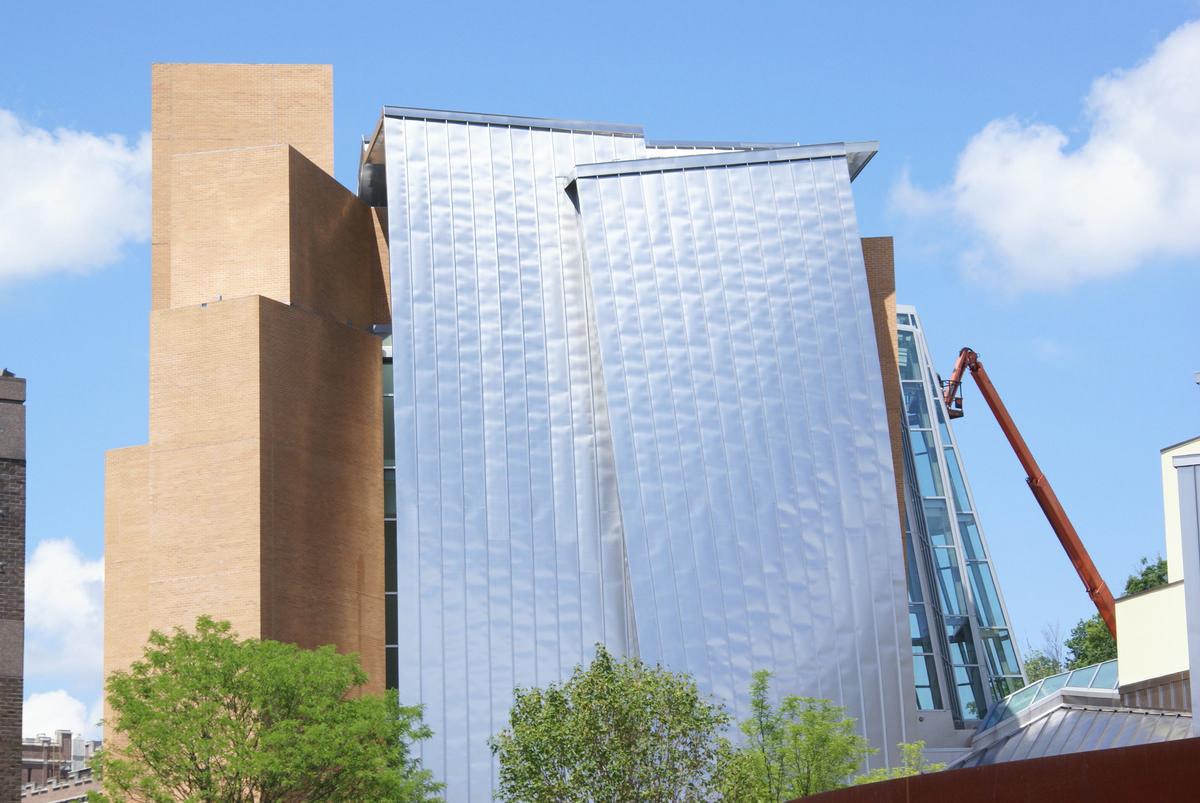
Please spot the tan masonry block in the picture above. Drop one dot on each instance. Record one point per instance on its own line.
(204, 377)
(381, 280)
(879, 257)
(335, 251)
(207, 107)
(126, 557)
(230, 235)
(322, 452)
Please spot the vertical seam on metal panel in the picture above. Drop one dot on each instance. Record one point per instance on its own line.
(743, 299)
(727, 334)
(487, 559)
(828, 519)
(704, 470)
(803, 274)
(599, 185)
(773, 480)
(441, 533)
(793, 605)
(541, 257)
(640, 335)
(660, 190)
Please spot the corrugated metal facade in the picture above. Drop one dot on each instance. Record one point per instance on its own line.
(637, 402)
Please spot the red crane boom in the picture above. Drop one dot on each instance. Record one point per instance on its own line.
(1038, 484)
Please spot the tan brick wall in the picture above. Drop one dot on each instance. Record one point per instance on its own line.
(126, 556)
(881, 280)
(205, 486)
(230, 225)
(335, 250)
(381, 281)
(322, 578)
(267, 221)
(208, 107)
(259, 498)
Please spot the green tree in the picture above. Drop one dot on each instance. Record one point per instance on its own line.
(617, 731)
(1152, 575)
(1090, 642)
(1039, 665)
(207, 718)
(803, 747)
(912, 762)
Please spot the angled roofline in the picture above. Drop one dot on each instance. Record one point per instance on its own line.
(857, 155)
(514, 121)
(737, 146)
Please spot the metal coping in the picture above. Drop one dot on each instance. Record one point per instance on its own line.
(856, 153)
(737, 146)
(513, 121)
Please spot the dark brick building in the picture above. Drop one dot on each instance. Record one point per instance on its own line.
(12, 581)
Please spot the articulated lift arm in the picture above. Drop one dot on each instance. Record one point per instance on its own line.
(1097, 590)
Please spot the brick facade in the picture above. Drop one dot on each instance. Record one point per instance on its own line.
(12, 582)
(259, 497)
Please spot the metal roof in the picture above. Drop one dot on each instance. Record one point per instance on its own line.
(1076, 728)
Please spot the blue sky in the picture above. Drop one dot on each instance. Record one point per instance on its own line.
(1037, 168)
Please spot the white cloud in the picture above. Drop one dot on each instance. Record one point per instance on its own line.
(64, 612)
(1046, 217)
(47, 712)
(69, 200)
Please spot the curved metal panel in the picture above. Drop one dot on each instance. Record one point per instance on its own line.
(510, 559)
(749, 431)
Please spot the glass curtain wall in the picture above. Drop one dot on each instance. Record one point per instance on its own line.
(391, 607)
(964, 656)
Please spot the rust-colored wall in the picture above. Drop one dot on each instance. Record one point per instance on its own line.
(881, 282)
(1167, 771)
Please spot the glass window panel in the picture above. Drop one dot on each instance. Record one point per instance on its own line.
(393, 667)
(914, 579)
(970, 692)
(937, 521)
(391, 619)
(915, 406)
(961, 503)
(969, 533)
(1082, 678)
(929, 474)
(1106, 676)
(907, 348)
(929, 692)
(962, 645)
(903, 319)
(987, 601)
(389, 556)
(1052, 684)
(1022, 699)
(950, 587)
(388, 385)
(1001, 657)
(918, 625)
(389, 431)
(1002, 687)
(389, 493)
